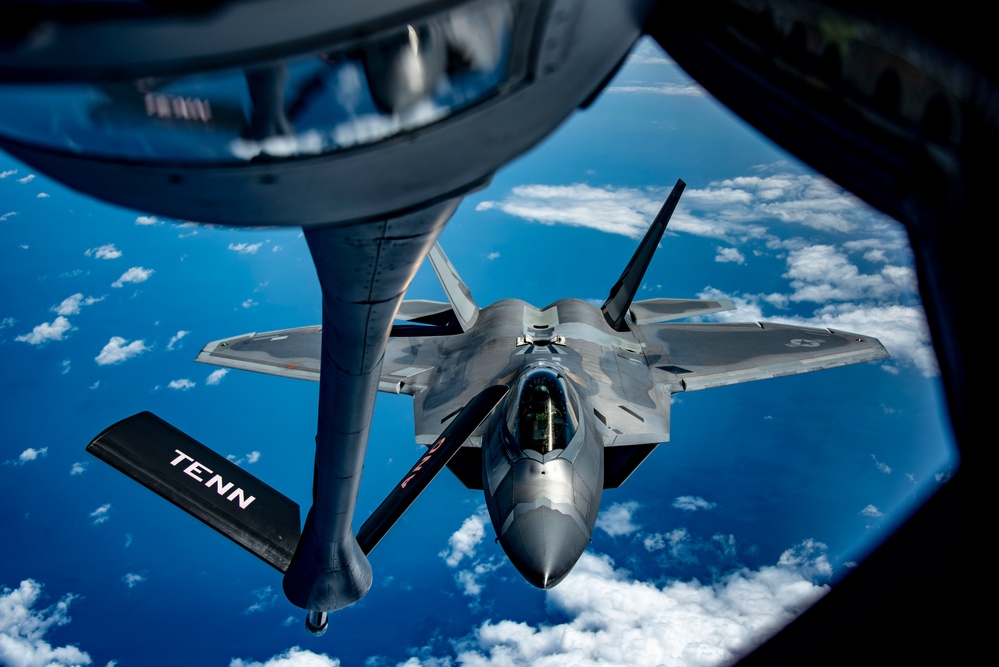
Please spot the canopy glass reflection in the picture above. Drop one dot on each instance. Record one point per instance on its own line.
(347, 96)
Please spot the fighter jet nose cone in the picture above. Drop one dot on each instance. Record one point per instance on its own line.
(544, 544)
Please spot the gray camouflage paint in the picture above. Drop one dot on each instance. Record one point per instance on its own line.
(544, 507)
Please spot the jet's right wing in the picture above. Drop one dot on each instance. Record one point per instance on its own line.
(297, 353)
(689, 357)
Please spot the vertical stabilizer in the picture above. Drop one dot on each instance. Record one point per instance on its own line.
(616, 307)
(465, 309)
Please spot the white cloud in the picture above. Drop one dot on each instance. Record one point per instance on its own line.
(118, 350)
(809, 559)
(7, 322)
(23, 629)
(692, 503)
(108, 251)
(249, 303)
(463, 542)
(730, 255)
(148, 220)
(654, 542)
(883, 467)
(78, 468)
(176, 339)
(623, 211)
(133, 579)
(183, 384)
(610, 616)
(46, 331)
(309, 142)
(293, 657)
(246, 248)
(252, 457)
(672, 89)
(9, 172)
(871, 511)
(136, 274)
(863, 245)
(470, 580)
(822, 273)
(809, 200)
(42, 195)
(727, 544)
(71, 305)
(734, 210)
(29, 454)
(616, 519)
(675, 541)
(262, 599)
(216, 376)
(776, 299)
(101, 514)
(8, 214)
(462, 545)
(493, 255)
(26, 179)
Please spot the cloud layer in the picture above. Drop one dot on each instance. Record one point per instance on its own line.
(615, 620)
(848, 263)
(23, 629)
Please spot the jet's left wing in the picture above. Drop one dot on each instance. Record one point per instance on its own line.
(689, 357)
(296, 353)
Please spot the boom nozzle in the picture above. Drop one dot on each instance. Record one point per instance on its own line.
(316, 622)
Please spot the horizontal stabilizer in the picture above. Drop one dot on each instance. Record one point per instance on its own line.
(651, 311)
(425, 318)
(425, 312)
(429, 465)
(620, 462)
(294, 353)
(204, 484)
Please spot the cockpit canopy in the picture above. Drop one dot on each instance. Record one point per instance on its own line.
(541, 413)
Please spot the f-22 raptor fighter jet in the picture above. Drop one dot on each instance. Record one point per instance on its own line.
(540, 408)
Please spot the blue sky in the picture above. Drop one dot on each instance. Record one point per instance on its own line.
(766, 494)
